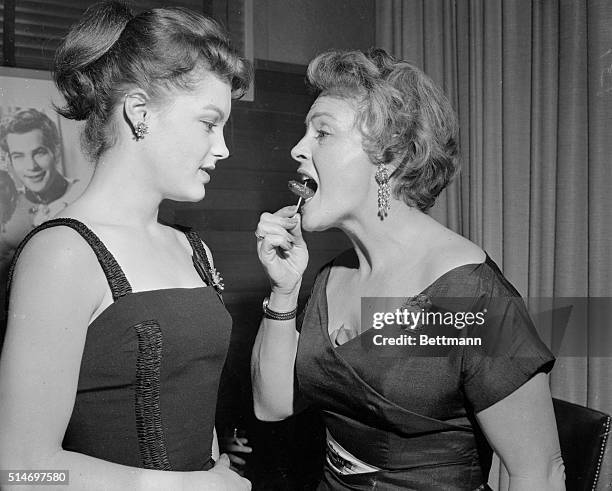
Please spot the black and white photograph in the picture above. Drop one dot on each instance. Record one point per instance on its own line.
(306, 245)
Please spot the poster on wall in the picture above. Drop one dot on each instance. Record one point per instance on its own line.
(42, 167)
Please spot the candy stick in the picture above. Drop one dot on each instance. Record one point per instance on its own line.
(297, 207)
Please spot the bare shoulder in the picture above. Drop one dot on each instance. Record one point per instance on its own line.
(55, 247)
(57, 261)
(452, 250)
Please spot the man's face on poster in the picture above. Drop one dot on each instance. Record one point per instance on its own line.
(33, 161)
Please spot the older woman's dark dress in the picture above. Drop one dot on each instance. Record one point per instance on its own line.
(409, 410)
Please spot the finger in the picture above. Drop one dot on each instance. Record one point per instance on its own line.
(272, 223)
(271, 230)
(243, 442)
(271, 243)
(268, 221)
(281, 214)
(269, 248)
(230, 447)
(296, 230)
(287, 211)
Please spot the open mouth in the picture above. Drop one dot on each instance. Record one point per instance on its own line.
(305, 189)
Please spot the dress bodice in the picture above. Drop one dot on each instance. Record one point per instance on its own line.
(410, 410)
(150, 370)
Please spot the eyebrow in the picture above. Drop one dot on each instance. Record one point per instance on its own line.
(318, 115)
(212, 107)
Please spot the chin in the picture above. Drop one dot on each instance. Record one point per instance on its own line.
(197, 197)
(192, 197)
(38, 187)
(310, 223)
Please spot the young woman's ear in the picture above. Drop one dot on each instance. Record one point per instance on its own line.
(135, 112)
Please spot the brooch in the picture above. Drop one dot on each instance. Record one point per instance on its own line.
(418, 306)
(217, 279)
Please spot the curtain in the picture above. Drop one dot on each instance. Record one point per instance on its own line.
(531, 81)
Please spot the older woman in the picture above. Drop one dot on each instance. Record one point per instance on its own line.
(380, 145)
(117, 332)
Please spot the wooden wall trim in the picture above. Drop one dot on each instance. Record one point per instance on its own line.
(277, 66)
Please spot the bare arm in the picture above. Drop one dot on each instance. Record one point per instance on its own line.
(284, 256)
(56, 288)
(522, 430)
(272, 363)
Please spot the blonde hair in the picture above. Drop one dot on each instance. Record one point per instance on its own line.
(405, 119)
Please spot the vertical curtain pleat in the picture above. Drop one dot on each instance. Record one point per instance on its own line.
(437, 61)
(488, 71)
(465, 178)
(571, 253)
(543, 194)
(408, 28)
(516, 139)
(450, 202)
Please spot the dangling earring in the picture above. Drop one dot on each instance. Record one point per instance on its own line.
(384, 192)
(140, 130)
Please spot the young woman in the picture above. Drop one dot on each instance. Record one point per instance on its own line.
(116, 329)
(380, 145)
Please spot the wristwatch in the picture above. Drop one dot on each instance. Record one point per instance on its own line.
(277, 316)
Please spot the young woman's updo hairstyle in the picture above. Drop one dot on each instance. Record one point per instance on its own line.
(404, 117)
(110, 51)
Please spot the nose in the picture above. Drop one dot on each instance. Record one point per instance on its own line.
(220, 150)
(34, 165)
(300, 152)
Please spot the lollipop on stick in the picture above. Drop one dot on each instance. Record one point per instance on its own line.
(302, 190)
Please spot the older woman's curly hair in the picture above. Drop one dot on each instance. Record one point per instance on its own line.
(405, 119)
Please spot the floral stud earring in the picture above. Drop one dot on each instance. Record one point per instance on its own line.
(140, 130)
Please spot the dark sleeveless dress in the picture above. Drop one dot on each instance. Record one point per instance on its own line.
(150, 370)
(408, 410)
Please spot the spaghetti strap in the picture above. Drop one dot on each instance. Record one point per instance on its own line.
(118, 283)
(201, 262)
